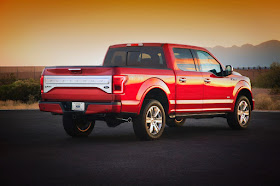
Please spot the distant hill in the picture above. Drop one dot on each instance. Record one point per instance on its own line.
(248, 55)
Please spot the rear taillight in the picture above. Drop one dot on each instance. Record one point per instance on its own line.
(42, 84)
(118, 84)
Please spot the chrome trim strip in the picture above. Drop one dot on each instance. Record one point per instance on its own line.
(172, 102)
(206, 109)
(130, 102)
(102, 82)
(189, 102)
(218, 101)
(75, 69)
(204, 101)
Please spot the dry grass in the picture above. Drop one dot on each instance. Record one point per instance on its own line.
(264, 100)
(17, 105)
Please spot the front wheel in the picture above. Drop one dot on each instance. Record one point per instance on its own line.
(149, 125)
(241, 116)
(77, 126)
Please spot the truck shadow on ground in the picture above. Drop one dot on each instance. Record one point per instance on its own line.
(181, 133)
(193, 131)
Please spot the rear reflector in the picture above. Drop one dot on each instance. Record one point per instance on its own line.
(135, 44)
(118, 84)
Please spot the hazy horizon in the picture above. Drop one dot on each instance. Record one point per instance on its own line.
(209, 48)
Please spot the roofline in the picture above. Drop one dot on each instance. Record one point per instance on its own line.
(160, 44)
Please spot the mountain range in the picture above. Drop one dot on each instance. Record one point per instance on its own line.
(248, 55)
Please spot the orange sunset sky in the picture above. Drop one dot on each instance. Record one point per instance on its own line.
(57, 32)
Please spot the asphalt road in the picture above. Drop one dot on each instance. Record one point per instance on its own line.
(35, 150)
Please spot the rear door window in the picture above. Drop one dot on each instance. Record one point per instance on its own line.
(184, 59)
(146, 57)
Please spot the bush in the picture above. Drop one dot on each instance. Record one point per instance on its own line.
(271, 79)
(23, 90)
(6, 80)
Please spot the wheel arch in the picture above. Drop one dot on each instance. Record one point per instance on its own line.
(244, 89)
(154, 88)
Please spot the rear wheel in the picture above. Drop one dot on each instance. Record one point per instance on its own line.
(149, 125)
(241, 116)
(77, 126)
(175, 122)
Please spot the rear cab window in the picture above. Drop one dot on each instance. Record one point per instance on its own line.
(142, 57)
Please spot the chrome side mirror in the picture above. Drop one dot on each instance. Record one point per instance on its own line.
(229, 70)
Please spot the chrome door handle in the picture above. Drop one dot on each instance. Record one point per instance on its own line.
(182, 80)
(207, 80)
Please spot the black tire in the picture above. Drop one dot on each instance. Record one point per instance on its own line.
(234, 118)
(175, 122)
(141, 125)
(77, 126)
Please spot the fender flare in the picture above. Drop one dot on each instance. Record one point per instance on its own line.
(241, 85)
(147, 86)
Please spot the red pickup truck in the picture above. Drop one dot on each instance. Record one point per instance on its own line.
(150, 84)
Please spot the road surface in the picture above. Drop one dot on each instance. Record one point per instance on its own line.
(35, 150)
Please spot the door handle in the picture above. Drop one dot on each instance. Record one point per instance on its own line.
(182, 80)
(75, 70)
(207, 80)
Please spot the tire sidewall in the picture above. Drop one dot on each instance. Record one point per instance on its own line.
(172, 122)
(179, 122)
(241, 98)
(71, 128)
(148, 105)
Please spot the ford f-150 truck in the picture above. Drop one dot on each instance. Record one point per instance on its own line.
(150, 84)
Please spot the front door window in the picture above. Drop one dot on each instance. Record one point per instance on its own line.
(208, 63)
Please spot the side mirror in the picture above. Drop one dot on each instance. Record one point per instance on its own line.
(228, 70)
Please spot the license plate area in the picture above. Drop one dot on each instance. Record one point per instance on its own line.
(78, 106)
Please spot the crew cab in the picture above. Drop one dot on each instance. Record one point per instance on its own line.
(150, 85)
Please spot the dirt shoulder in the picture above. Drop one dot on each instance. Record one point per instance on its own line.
(263, 101)
(17, 105)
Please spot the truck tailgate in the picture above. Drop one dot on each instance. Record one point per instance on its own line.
(93, 84)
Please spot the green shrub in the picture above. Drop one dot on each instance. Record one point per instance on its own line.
(271, 79)
(9, 79)
(23, 90)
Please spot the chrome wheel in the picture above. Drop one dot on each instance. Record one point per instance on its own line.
(150, 123)
(243, 112)
(154, 120)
